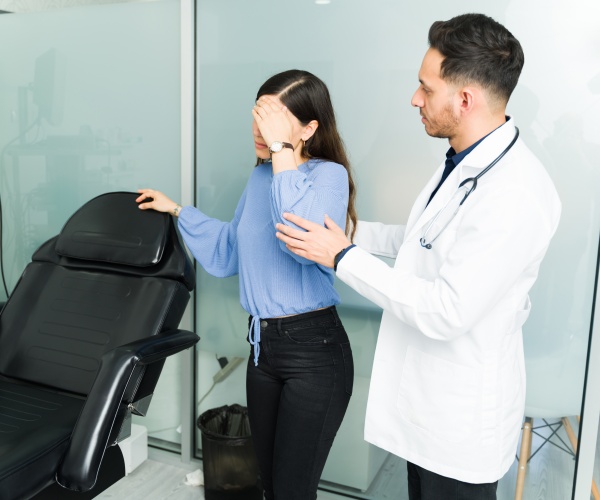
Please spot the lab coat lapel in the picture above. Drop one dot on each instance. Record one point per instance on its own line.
(469, 167)
(422, 214)
(420, 204)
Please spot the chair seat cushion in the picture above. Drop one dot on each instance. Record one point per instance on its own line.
(35, 428)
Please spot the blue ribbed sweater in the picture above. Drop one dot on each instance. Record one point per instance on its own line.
(273, 281)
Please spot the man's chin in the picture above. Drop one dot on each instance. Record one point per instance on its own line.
(436, 133)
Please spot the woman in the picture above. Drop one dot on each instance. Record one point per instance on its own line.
(300, 371)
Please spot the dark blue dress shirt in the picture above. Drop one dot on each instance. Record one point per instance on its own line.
(452, 160)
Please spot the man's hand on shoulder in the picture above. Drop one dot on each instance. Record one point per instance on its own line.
(317, 243)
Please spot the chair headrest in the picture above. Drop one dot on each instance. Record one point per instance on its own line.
(110, 228)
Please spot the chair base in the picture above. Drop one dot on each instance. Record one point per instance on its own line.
(111, 471)
(525, 453)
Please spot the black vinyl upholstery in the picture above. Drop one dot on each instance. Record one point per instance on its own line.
(83, 336)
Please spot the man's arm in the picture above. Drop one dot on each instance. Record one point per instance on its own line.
(318, 243)
(499, 244)
(379, 239)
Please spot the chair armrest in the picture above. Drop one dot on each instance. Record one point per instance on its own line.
(79, 469)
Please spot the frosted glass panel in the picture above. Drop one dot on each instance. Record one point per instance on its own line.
(369, 54)
(89, 103)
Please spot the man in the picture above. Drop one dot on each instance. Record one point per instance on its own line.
(448, 384)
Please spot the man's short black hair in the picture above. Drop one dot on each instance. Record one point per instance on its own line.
(477, 49)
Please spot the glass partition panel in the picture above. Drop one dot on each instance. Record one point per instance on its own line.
(556, 335)
(369, 54)
(89, 103)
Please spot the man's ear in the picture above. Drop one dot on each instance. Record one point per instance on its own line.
(309, 130)
(467, 97)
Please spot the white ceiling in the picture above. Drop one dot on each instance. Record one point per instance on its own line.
(39, 5)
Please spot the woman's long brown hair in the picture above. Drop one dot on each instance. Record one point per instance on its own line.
(307, 97)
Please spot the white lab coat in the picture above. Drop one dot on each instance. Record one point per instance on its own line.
(448, 384)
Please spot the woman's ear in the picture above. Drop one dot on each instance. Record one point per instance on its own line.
(309, 130)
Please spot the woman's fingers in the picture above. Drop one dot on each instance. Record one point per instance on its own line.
(268, 104)
(156, 201)
(272, 120)
(144, 193)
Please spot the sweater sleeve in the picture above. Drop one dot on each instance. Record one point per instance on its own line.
(212, 242)
(311, 197)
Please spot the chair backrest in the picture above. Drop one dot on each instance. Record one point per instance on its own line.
(115, 274)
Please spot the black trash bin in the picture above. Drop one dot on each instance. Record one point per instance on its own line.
(229, 461)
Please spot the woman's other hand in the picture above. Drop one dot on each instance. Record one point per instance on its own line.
(155, 200)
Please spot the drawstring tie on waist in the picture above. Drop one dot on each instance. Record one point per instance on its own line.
(254, 337)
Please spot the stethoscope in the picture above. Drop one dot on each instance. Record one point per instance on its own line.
(465, 188)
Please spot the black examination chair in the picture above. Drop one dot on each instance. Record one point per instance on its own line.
(83, 338)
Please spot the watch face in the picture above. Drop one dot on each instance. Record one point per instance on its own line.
(276, 147)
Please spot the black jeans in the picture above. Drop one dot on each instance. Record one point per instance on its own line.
(297, 398)
(426, 485)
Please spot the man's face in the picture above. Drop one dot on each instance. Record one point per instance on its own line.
(436, 99)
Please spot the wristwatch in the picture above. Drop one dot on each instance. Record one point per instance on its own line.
(278, 146)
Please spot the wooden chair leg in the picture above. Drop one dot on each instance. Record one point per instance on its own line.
(570, 433)
(595, 492)
(573, 439)
(524, 457)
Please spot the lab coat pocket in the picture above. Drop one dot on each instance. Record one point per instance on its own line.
(438, 396)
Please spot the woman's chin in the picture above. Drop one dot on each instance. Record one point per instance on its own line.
(262, 154)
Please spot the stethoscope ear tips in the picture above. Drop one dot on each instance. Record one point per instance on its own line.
(428, 246)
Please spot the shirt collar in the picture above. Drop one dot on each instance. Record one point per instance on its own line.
(458, 157)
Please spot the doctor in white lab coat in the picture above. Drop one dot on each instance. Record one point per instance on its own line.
(448, 384)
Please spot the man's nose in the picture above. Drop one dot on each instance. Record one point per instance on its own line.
(417, 100)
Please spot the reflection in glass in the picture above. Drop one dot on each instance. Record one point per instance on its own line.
(89, 104)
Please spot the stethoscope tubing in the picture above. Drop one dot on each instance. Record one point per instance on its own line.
(428, 245)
